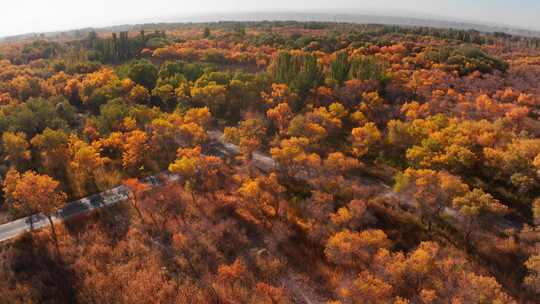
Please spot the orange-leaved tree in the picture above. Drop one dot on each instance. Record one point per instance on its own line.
(35, 193)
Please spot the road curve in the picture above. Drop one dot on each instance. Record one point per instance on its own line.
(119, 194)
(217, 147)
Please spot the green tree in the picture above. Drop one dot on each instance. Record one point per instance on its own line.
(368, 68)
(206, 33)
(299, 70)
(340, 67)
(144, 73)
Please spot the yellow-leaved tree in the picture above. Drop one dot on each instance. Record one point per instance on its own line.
(35, 193)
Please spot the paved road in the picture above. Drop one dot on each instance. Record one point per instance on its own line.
(259, 160)
(218, 147)
(118, 194)
(110, 197)
(87, 204)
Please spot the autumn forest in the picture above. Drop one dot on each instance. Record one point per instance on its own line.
(296, 162)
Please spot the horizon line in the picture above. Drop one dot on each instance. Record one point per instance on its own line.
(392, 13)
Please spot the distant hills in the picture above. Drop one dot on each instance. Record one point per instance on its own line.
(337, 16)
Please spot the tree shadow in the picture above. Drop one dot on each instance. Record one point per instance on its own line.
(114, 221)
(33, 263)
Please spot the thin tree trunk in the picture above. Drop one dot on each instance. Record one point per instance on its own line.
(134, 205)
(31, 217)
(192, 198)
(154, 221)
(55, 238)
(468, 231)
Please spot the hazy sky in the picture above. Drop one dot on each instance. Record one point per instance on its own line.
(22, 16)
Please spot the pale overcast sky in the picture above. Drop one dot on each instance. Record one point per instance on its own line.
(23, 16)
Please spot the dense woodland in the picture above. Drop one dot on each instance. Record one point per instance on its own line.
(409, 165)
